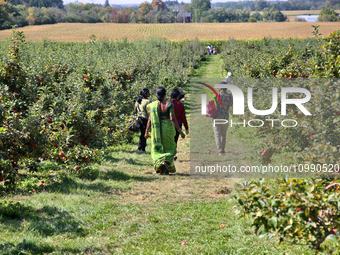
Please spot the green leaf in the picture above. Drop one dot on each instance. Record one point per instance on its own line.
(263, 233)
(311, 238)
(273, 222)
(288, 227)
(271, 235)
(262, 203)
(307, 211)
(332, 238)
(259, 213)
(302, 215)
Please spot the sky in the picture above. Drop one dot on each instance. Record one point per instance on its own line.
(137, 2)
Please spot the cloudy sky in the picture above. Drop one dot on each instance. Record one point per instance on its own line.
(137, 2)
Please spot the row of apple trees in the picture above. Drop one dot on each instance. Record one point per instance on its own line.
(312, 64)
(67, 101)
(302, 211)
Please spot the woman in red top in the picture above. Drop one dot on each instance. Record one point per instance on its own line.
(179, 109)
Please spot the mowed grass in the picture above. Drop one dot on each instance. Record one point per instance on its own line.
(125, 208)
(177, 31)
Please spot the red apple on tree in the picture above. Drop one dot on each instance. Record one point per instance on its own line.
(264, 152)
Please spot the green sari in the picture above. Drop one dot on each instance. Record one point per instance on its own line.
(163, 146)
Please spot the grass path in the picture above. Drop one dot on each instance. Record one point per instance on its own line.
(125, 208)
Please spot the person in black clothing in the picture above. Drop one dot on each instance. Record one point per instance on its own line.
(143, 116)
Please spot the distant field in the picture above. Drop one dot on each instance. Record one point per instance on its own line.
(304, 12)
(301, 12)
(292, 15)
(202, 31)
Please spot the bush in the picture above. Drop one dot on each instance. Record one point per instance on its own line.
(278, 16)
(257, 16)
(300, 20)
(252, 19)
(328, 15)
(302, 211)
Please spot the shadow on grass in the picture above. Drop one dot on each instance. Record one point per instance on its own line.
(121, 176)
(46, 221)
(25, 247)
(70, 185)
(180, 174)
(131, 161)
(29, 247)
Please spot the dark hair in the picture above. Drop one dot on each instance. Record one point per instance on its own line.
(160, 92)
(142, 96)
(174, 94)
(181, 95)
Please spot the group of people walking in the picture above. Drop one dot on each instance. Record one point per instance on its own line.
(165, 119)
(211, 50)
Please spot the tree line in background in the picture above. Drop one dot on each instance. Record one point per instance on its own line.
(37, 12)
(289, 5)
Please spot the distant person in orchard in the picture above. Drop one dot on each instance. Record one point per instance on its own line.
(220, 130)
(143, 116)
(163, 124)
(179, 110)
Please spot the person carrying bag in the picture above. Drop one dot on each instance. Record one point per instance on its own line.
(143, 116)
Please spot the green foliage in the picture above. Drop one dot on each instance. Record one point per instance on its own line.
(5, 10)
(295, 62)
(65, 102)
(328, 15)
(257, 16)
(327, 60)
(278, 16)
(12, 209)
(303, 211)
(46, 3)
(252, 19)
(274, 15)
(226, 15)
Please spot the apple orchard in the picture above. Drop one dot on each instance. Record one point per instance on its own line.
(66, 102)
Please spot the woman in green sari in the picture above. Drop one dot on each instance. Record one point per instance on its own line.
(163, 122)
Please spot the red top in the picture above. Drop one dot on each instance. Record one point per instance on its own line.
(180, 112)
